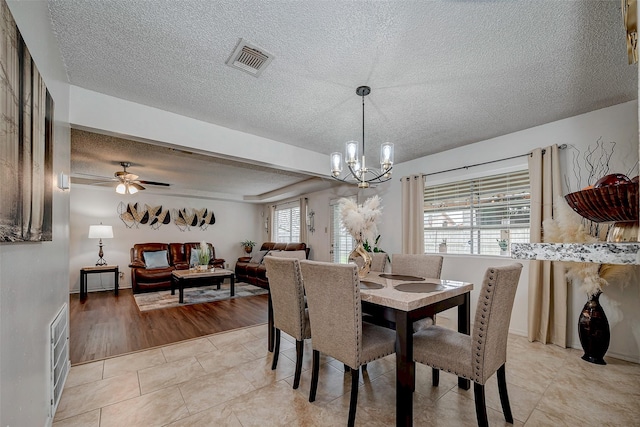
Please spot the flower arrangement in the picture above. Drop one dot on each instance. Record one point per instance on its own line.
(503, 244)
(361, 221)
(203, 254)
(568, 227)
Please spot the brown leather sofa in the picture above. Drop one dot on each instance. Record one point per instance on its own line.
(145, 279)
(256, 273)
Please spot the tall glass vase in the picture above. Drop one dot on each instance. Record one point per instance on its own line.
(359, 251)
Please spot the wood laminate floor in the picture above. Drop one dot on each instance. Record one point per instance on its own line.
(105, 325)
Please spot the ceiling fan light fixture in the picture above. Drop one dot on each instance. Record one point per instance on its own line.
(121, 189)
(131, 189)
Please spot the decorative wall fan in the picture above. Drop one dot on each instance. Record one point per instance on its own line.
(129, 183)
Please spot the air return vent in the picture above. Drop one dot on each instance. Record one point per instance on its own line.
(59, 355)
(249, 58)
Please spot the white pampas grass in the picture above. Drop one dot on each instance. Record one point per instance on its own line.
(361, 221)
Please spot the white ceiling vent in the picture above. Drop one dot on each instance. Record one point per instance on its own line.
(249, 58)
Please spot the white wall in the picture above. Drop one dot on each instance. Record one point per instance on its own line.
(618, 123)
(235, 222)
(34, 276)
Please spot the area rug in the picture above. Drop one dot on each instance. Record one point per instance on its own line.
(163, 299)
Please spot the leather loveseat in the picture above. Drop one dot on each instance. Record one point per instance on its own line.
(145, 278)
(254, 272)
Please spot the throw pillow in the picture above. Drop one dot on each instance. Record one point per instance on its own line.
(258, 257)
(195, 257)
(156, 259)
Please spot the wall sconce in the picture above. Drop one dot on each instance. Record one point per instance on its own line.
(311, 222)
(63, 181)
(266, 225)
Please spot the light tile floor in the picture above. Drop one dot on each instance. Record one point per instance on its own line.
(226, 380)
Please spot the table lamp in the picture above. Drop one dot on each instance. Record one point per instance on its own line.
(100, 232)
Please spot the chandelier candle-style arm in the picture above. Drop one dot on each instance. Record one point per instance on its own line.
(358, 171)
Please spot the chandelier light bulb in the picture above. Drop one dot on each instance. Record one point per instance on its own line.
(336, 164)
(351, 152)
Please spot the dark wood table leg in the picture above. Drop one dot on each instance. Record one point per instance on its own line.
(405, 369)
(83, 284)
(271, 336)
(181, 291)
(116, 281)
(232, 281)
(464, 327)
(173, 284)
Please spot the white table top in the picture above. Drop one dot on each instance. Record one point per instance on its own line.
(181, 274)
(407, 301)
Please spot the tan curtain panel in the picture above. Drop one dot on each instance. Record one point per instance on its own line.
(304, 231)
(547, 282)
(412, 214)
(272, 215)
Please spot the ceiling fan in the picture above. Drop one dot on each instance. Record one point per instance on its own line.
(129, 183)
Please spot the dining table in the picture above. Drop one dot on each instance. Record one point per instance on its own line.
(398, 301)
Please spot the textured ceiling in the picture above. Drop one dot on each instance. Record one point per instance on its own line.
(443, 74)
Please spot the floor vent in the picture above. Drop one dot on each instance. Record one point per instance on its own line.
(60, 362)
(249, 58)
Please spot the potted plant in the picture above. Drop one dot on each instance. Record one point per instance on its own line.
(504, 245)
(203, 256)
(248, 245)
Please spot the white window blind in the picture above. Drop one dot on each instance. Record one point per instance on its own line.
(287, 222)
(341, 241)
(471, 216)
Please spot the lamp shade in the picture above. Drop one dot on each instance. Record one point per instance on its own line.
(100, 232)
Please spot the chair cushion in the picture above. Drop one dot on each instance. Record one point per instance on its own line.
(377, 342)
(156, 259)
(440, 347)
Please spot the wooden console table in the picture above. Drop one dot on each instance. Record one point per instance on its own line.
(97, 269)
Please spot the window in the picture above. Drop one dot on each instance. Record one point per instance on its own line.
(473, 216)
(341, 241)
(287, 223)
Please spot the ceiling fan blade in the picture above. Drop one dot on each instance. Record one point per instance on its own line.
(160, 184)
(136, 186)
(130, 177)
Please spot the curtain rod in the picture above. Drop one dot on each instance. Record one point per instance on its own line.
(560, 147)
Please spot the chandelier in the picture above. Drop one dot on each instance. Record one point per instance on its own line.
(358, 171)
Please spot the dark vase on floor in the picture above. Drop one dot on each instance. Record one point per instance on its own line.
(593, 329)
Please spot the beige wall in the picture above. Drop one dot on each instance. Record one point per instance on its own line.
(34, 277)
(235, 222)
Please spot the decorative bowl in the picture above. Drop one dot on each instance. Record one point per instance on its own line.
(606, 204)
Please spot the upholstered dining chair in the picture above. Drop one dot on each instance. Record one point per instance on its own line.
(420, 265)
(333, 298)
(378, 261)
(289, 312)
(478, 356)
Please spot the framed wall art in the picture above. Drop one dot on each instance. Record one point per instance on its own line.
(26, 135)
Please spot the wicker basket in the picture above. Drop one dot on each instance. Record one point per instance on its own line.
(606, 204)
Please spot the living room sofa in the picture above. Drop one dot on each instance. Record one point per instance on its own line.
(146, 278)
(252, 269)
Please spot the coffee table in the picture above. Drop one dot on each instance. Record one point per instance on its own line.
(186, 278)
